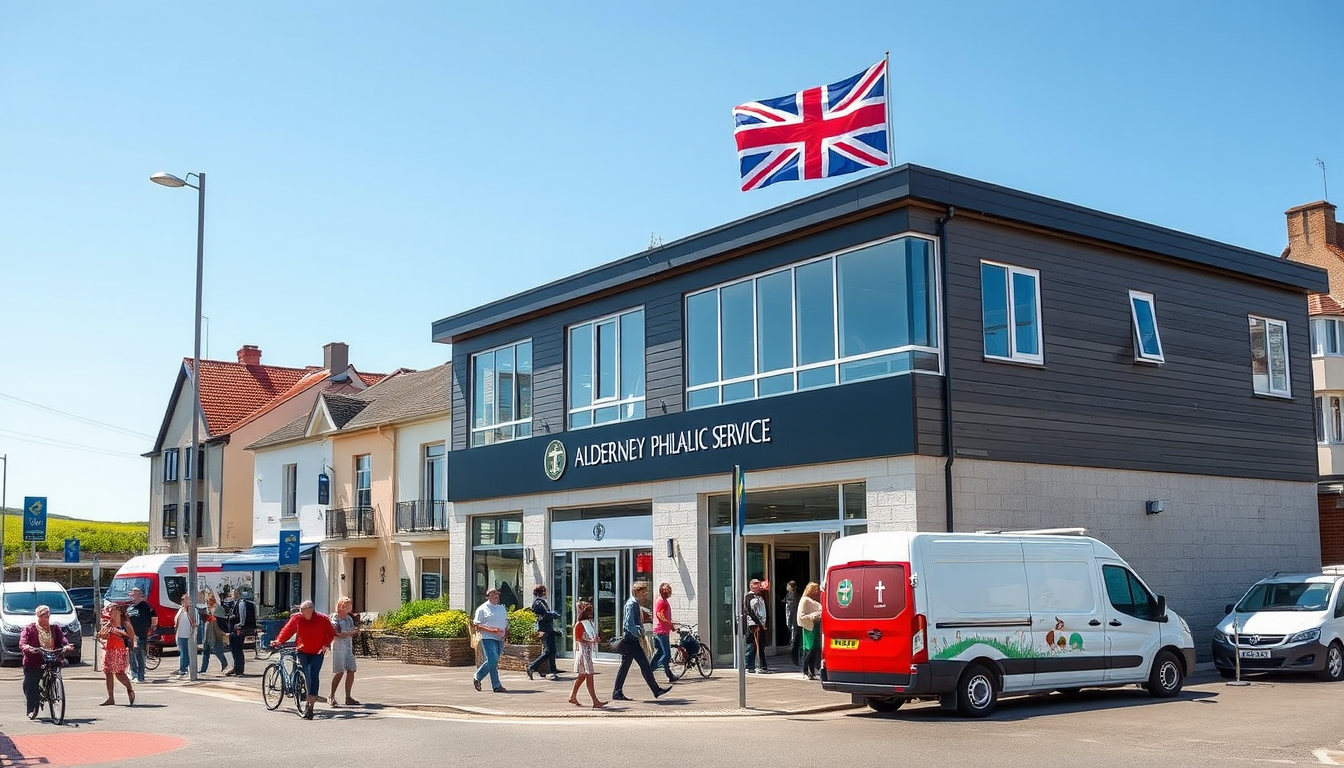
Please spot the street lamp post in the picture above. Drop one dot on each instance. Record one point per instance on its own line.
(190, 522)
(4, 491)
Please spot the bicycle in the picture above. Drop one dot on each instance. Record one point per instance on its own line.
(153, 654)
(51, 687)
(261, 646)
(690, 651)
(283, 678)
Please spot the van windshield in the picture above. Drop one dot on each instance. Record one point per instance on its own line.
(1301, 596)
(120, 591)
(25, 603)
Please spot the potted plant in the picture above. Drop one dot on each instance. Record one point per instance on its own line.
(522, 645)
(438, 639)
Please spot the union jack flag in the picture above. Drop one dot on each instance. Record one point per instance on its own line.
(825, 131)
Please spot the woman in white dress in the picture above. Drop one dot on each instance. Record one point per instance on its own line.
(585, 640)
(343, 651)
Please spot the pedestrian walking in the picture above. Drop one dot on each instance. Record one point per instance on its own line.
(343, 650)
(313, 633)
(241, 622)
(632, 624)
(214, 637)
(809, 622)
(546, 628)
(754, 620)
(492, 622)
(185, 625)
(118, 637)
(662, 631)
(143, 620)
(791, 619)
(586, 638)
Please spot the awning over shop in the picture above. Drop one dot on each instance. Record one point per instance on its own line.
(262, 558)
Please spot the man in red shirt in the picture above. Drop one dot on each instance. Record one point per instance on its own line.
(314, 635)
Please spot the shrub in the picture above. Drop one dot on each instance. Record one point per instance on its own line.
(396, 620)
(444, 624)
(522, 626)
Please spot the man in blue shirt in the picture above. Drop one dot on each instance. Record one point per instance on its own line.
(632, 623)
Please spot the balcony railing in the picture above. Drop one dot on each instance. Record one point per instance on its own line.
(350, 523)
(413, 516)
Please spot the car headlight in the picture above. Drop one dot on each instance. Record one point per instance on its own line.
(10, 629)
(1305, 637)
(1221, 637)
(72, 628)
(1184, 625)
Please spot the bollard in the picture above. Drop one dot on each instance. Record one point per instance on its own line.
(1236, 653)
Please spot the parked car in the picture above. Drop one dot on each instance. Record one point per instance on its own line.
(1289, 622)
(84, 607)
(19, 601)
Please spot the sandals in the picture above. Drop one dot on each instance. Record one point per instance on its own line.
(349, 702)
(130, 693)
(107, 703)
(575, 702)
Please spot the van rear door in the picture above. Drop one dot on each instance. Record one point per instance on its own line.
(867, 623)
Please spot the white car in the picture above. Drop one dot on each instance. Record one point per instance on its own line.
(19, 600)
(1289, 622)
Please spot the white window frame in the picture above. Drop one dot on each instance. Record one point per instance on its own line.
(1320, 343)
(1013, 355)
(1140, 354)
(363, 481)
(170, 465)
(606, 402)
(1329, 418)
(433, 467)
(289, 502)
(518, 405)
(1269, 389)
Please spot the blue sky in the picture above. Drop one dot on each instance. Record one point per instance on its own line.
(374, 167)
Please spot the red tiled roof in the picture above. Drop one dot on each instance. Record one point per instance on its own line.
(230, 392)
(1323, 304)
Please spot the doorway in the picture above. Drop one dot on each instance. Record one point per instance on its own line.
(599, 579)
(792, 563)
(358, 571)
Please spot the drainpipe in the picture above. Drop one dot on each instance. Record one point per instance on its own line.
(947, 368)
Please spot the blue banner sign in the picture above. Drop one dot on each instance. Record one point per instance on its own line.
(72, 550)
(34, 518)
(289, 548)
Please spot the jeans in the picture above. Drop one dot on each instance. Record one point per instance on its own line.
(662, 653)
(217, 648)
(183, 655)
(547, 654)
(138, 658)
(236, 647)
(795, 643)
(311, 664)
(754, 636)
(631, 650)
(491, 649)
(30, 678)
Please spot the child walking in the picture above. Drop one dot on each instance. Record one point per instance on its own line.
(585, 640)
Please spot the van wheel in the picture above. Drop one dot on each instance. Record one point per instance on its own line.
(977, 692)
(1167, 676)
(1334, 664)
(884, 703)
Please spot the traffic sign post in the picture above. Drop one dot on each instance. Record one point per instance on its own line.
(34, 527)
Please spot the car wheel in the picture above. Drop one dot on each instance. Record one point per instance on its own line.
(1167, 676)
(1334, 664)
(884, 703)
(1227, 674)
(977, 692)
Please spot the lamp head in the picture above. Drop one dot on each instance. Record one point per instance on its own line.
(167, 180)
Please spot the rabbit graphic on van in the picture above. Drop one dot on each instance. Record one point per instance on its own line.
(1060, 639)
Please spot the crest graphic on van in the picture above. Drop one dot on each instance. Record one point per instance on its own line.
(845, 592)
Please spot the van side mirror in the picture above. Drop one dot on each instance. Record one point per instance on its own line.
(1161, 613)
(1228, 609)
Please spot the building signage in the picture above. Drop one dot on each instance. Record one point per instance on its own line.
(718, 437)
(34, 518)
(553, 461)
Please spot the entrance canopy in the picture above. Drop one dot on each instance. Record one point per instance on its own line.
(262, 558)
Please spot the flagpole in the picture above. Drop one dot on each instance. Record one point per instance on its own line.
(891, 132)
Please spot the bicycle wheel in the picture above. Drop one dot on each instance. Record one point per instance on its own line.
(272, 687)
(705, 661)
(260, 649)
(300, 691)
(153, 655)
(56, 699)
(680, 661)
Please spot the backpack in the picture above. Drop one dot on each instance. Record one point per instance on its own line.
(250, 624)
(749, 619)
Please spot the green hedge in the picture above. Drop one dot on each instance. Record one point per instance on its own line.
(522, 626)
(443, 624)
(397, 619)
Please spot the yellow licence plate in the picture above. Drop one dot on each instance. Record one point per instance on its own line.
(839, 643)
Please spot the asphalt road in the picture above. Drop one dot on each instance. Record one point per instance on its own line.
(1285, 721)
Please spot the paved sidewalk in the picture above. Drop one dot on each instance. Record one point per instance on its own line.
(392, 684)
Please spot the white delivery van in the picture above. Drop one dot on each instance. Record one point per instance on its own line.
(964, 617)
(163, 579)
(1289, 622)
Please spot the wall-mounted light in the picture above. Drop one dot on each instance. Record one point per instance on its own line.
(1153, 507)
(671, 547)
(382, 574)
(529, 555)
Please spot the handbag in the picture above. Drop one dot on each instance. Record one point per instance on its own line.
(475, 639)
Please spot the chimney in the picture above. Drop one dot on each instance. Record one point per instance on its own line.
(336, 357)
(1312, 226)
(249, 355)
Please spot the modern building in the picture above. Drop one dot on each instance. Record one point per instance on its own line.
(362, 477)
(1316, 237)
(911, 351)
(240, 402)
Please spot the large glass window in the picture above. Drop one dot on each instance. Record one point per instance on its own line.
(170, 465)
(1010, 305)
(606, 370)
(435, 473)
(289, 502)
(497, 559)
(855, 315)
(364, 480)
(1147, 340)
(827, 505)
(501, 394)
(1325, 336)
(1329, 424)
(1269, 356)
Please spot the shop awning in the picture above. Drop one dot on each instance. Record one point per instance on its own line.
(262, 558)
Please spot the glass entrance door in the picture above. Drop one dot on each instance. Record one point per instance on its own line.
(598, 578)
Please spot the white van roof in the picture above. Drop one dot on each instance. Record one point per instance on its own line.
(888, 546)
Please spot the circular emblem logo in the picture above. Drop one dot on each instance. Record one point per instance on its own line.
(599, 531)
(553, 461)
(845, 592)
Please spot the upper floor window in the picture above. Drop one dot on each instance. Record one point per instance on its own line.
(1325, 335)
(1011, 301)
(187, 463)
(1269, 356)
(289, 503)
(364, 480)
(169, 521)
(1329, 427)
(860, 314)
(606, 370)
(170, 465)
(436, 479)
(1147, 340)
(501, 394)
